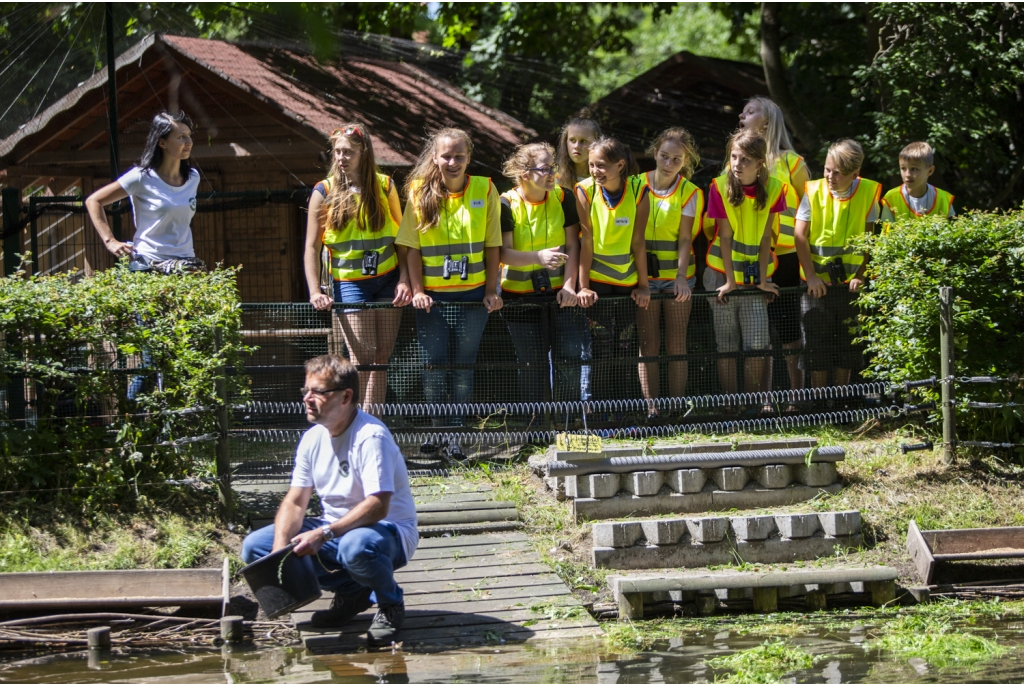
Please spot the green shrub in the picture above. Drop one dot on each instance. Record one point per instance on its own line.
(69, 433)
(980, 256)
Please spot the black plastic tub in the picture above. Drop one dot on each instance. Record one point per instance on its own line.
(282, 582)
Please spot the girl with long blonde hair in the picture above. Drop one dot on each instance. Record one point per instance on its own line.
(574, 141)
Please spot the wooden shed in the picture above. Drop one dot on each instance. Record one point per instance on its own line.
(263, 116)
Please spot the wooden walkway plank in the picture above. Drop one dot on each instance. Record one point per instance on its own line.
(445, 603)
(470, 551)
(467, 562)
(479, 584)
(459, 572)
(471, 540)
(328, 646)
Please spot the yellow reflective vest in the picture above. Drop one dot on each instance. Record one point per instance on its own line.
(460, 231)
(662, 234)
(834, 222)
(538, 226)
(897, 204)
(785, 166)
(348, 243)
(612, 228)
(747, 223)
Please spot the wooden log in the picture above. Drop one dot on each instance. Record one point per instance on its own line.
(231, 628)
(706, 604)
(766, 600)
(816, 600)
(882, 591)
(99, 638)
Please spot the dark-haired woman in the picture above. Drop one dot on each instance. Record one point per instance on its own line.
(162, 187)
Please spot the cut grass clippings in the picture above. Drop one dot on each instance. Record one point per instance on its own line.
(936, 640)
(767, 663)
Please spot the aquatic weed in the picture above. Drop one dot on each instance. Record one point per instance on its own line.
(767, 663)
(936, 640)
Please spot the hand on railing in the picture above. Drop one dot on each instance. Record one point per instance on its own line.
(566, 297)
(321, 301)
(493, 302)
(815, 286)
(856, 284)
(642, 297)
(403, 294)
(682, 287)
(725, 290)
(586, 297)
(422, 301)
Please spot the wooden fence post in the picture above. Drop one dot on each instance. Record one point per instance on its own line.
(947, 370)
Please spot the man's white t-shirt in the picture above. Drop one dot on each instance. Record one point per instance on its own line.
(163, 213)
(364, 460)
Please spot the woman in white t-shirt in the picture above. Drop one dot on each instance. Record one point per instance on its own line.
(162, 187)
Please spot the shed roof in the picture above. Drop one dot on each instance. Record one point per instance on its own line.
(398, 101)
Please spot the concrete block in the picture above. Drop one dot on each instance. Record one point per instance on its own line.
(835, 588)
(840, 523)
(616, 534)
(603, 485)
(752, 527)
(708, 529)
(816, 475)
(576, 486)
(642, 483)
(797, 525)
(857, 586)
(774, 476)
(664, 532)
(730, 477)
(686, 481)
(734, 593)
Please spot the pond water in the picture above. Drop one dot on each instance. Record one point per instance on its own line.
(836, 645)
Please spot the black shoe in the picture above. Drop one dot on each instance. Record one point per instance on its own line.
(386, 625)
(343, 609)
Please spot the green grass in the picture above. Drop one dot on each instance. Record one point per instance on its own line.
(936, 640)
(767, 663)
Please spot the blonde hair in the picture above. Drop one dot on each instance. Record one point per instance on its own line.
(775, 133)
(847, 154)
(753, 145)
(523, 159)
(425, 189)
(566, 167)
(918, 152)
(616, 151)
(680, 136)
(342, 203)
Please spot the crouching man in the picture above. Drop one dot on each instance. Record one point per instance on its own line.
(369, 524)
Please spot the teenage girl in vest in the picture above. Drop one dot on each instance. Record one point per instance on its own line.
(355, 213)
(540, 251)
(745, 203)
(673, 222)
(574, 141)
(834, 211)
(765, 117)
(452, 229)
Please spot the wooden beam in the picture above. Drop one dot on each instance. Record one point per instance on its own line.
(61, 158)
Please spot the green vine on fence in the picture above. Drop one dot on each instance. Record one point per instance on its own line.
(69, 432)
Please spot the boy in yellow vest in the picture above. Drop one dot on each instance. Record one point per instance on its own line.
(833, 211)
(916, 198)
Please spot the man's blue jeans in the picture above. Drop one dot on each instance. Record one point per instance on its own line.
(451, 335)
(364, 557)
(569, 342)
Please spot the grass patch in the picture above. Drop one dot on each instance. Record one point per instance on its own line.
(767, 663)
(936, 640)
(627, 637)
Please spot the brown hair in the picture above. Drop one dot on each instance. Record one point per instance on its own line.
(617, 151)
(679, 136)
(847, 154)
(342, 204)
(753, 145)
(918, 152)
(425, 189)
(566, 167)
(524, 157)
(343, 375)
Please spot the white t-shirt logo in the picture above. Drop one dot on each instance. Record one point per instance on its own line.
(192, 204)
(622, 221)
(476, 204)
(344, 469)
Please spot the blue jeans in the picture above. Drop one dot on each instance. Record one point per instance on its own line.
(364, 557)
(568, 343)
(450, 335)
(377, 289)
(136, 383)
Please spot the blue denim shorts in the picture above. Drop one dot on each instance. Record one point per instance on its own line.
(376, 289)
(668, 286)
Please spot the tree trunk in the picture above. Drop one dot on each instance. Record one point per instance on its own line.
(775, 76)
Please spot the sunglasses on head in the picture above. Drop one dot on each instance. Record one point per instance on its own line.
(348, 131)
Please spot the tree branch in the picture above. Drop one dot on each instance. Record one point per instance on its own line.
(775, 76)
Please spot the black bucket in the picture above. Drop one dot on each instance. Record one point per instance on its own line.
(282, 581)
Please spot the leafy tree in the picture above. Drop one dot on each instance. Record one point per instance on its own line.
(953, 75)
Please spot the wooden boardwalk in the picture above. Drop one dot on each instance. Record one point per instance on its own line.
(466, 589)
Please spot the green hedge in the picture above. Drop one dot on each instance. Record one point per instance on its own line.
(981, 256)
(66, 341)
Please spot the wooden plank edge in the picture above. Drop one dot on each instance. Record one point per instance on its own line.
(920, 553)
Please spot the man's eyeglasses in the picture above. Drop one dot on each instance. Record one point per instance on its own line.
(546, 170)
(348, 131)
(317, 392)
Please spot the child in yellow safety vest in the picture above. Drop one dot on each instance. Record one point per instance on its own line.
(745, 202)
(916, 198)
(834, 211)
(765, 117)
(452, 230)
(540, 253)
(574, 141)
(355, 213)
(674, 220)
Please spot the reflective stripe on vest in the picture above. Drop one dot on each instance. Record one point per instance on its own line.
(348, 244)
(784, 168)
(539, 226)
(460, 230)
(835, 222)
(896, 201)
(747, 223)
(662, 234)
(612, 229)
